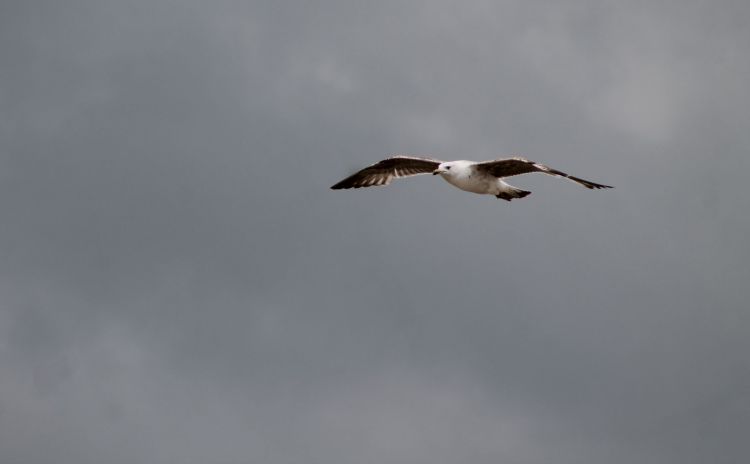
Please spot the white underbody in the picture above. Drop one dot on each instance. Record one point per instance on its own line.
(463, 175)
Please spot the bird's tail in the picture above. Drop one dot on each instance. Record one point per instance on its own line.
(511, 193)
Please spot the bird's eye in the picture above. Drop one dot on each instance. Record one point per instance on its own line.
(448, 168)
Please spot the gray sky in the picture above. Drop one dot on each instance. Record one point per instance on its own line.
(179, 285)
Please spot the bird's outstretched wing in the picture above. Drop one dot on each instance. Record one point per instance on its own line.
(515, 166)
(382, 172)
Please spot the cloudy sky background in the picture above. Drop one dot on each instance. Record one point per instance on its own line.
(179, 285)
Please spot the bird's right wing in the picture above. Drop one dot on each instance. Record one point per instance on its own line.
(382, 172)
(514, 166)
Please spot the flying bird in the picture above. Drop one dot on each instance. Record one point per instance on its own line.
(483, 177)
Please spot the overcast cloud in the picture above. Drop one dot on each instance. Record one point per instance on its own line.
(179, 285)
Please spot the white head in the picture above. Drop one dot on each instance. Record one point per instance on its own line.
(451, 168)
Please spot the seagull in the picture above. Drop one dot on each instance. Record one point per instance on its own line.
(483, 177)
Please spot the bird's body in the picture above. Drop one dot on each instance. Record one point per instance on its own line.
(463, 175)
(484, 178)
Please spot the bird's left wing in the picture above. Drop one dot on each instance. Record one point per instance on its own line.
(516, 166)
(382, 172)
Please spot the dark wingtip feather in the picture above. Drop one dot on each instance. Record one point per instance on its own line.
(346, 183)
(588, 184)
(600, 186)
